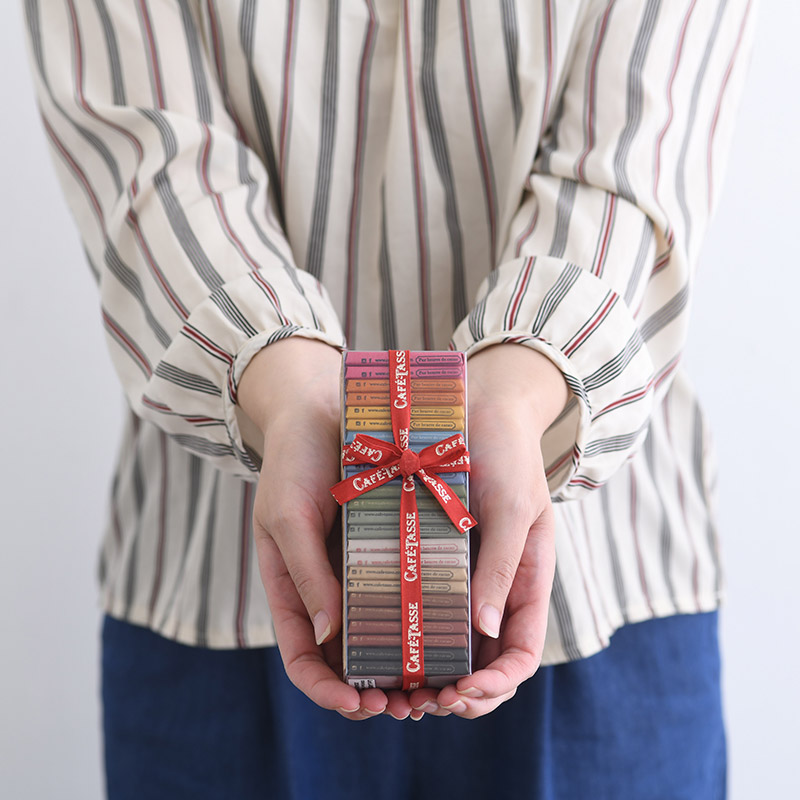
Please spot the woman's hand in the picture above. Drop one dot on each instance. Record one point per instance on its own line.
(290, 390)
(514, 395)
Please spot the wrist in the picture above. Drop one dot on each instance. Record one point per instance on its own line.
(508, 377)
(287, 376)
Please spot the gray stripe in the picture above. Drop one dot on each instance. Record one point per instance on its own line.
(699, 477)
(611, 444)
(327, 137)
(510, 41)
(172, 205)
(613, 368)
(201, 623)
(680, 169)
(549, 141)
(555, 294)
(260, 114)
(247, 179)
(634, 102)
(202, 98)
(668, 312)
(388, 322)
(441, 155)
(130, 280)
(563, 615)
(245, 555)
(478, 313)
(133, 554)
(202, 446)
(566, 201)
(97, 144)
(195, 471)
(152, 63)
(665, 532)
(362, 112)
(641, 259)
(188, 380)
(112, 49)
(588, 106)
(613, 552)
(479, 130)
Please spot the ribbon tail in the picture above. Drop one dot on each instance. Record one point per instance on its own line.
(411, 589)
(453, 507)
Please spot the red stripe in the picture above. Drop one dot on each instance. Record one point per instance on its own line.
(479, 134)
(582, 480)
(682, 502)
(592, 86)
(586, 589)
(134, 350)
(558, 464)
(133, 219)
(601, 258)
(85, 105)
(151, 43)
(423, 253)
(195, 334)
(79, 173)
(357, 166)
(597, 320)
(670, 83)
(527, 232)
(639, 562)
(718, 107)
(519, 294)
(219, 207)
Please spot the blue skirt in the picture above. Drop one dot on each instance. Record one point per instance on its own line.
(642, 719)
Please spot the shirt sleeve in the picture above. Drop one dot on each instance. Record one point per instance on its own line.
(178, 217)
(598, 268)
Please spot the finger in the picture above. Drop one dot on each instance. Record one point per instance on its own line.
(471, 708)
(504, 530)
(526, 621)
(398, 705)
(301, 540)
(302, 658)
(425, 701)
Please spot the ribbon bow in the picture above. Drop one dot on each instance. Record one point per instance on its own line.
(390, 460)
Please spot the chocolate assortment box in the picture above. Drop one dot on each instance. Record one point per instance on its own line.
(405, 497)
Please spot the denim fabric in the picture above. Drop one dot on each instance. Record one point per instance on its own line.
(639, 721)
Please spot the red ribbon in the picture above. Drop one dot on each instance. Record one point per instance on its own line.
(390, 460)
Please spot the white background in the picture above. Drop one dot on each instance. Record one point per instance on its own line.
(61, 410)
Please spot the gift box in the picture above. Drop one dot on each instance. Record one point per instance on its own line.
(405, 497)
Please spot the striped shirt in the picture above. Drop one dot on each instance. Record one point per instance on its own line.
(397, 174)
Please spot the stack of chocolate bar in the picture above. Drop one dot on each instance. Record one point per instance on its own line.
(373, 624)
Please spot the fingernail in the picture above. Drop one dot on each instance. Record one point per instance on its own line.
(457, 708)
(394, 716)
(472, 691)
(417, 715)
(489, 621)
(322, 626)
(428, 706)
(373, 713)
(347, 710)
